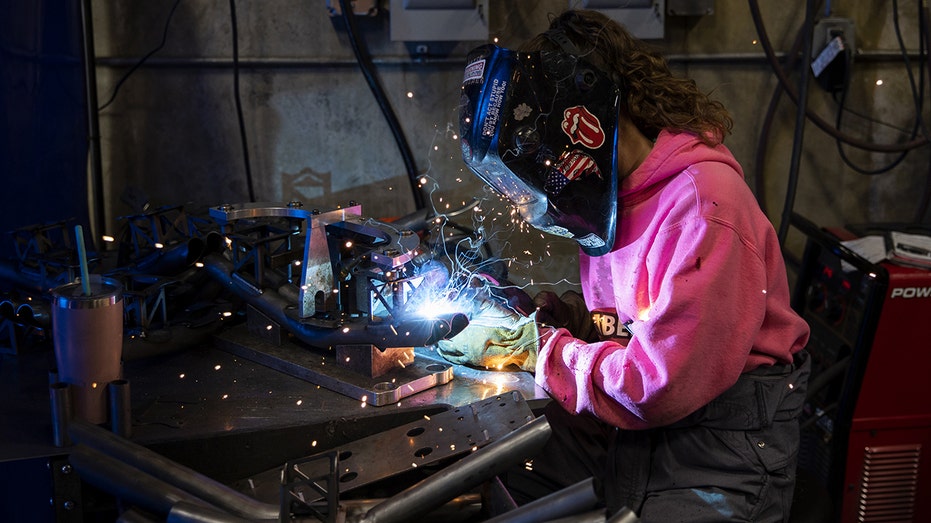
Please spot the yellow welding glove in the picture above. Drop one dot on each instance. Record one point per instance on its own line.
(496, 337)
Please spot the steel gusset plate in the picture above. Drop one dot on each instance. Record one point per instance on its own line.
(424, 442)
(324, 370)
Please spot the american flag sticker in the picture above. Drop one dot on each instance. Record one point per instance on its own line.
(571, 165)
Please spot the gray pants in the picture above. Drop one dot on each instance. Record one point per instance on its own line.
(732, 460)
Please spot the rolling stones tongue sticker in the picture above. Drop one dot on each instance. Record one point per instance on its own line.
(582, 127)
(571, 165)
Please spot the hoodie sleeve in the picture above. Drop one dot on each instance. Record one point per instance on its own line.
(697, 301)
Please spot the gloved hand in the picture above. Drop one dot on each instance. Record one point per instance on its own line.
(497, 336)
(567, 311)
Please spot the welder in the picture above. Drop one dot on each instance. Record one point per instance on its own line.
(684, 406)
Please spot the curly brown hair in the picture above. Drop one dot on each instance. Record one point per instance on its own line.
(655, 98)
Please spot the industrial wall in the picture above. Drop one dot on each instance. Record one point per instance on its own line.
(315, 133)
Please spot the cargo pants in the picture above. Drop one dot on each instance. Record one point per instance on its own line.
(732, 460)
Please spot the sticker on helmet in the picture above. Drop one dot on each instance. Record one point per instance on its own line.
(474, 72)
(591, 241)
(571, 165)
(522, 111)
(495, 99)
(582, 127)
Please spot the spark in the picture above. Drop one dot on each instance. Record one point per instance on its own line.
(299, 402)
(199, 265)
(345, 330)
(158, 245)
(107, 238)
(223, 397)
(181, 376)
(216, 367)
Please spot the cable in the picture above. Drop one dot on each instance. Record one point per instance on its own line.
(814, 118)
(763, 142)
(368, 70)
(116, 89)
(924, 24)
(800, 119)
(242, 124)
(916, 99)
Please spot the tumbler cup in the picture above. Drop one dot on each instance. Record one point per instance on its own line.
(87, 333)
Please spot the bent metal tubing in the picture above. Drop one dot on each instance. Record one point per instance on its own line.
(419, 332)
(164, 481)
(469, 472)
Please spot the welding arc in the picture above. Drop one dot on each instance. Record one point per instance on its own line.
(368, 70)
(419, 332)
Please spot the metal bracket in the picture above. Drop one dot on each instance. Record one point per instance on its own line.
(316, 269)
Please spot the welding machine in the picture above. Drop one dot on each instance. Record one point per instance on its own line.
(867, 419)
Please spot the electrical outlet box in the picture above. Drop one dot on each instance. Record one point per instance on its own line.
(829, 28)
(832, 51)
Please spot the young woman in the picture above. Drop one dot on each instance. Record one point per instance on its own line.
(686, 407)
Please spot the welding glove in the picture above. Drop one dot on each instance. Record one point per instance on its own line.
(567, 311)
(497, 336)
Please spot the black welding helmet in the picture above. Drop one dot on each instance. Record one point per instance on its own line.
(541, 129)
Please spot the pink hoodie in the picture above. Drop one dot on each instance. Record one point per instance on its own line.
(698, 277)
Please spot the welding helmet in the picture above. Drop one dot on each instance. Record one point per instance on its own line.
(541, 129)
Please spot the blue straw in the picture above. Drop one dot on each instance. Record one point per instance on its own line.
(82, 259)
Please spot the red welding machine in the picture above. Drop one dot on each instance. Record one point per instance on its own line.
(866, 431)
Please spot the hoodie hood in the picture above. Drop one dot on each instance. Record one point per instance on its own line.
(672, 154)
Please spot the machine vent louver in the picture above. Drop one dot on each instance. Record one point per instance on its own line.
(888, 483)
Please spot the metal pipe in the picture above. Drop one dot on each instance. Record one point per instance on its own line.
(569, 501)
(135, 516)
(282, 62)
(463, 475)
(171, 260)
(35, 314)
(171, 472)
(126, 482)
(625, 515)
(118, 401)
(8, 309)
(60, 399)
(183, 512)
(593, 516)
(420, 332)
(11, 272)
